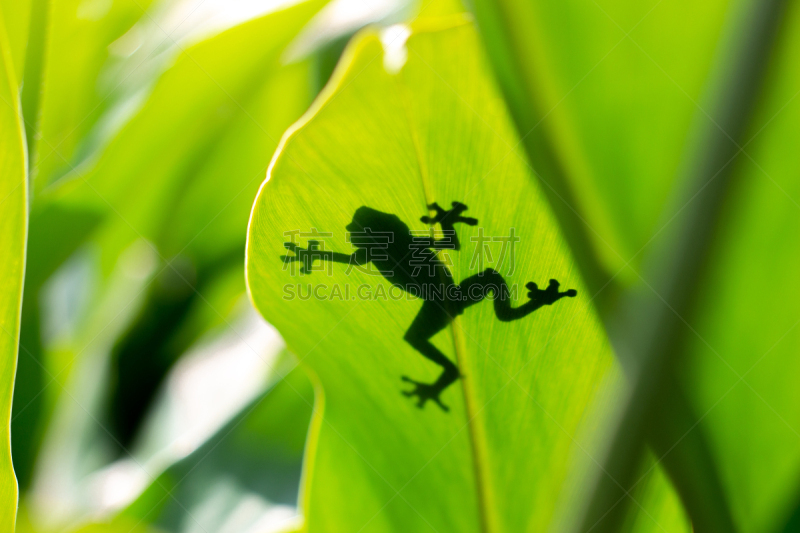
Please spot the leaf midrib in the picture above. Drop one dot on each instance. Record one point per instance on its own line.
(476, 437)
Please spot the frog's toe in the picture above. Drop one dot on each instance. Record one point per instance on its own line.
(423, 392)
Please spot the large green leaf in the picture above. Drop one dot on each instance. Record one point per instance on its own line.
(13, 235)
(503, 457)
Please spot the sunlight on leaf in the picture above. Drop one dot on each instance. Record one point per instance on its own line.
(67, 60)
(500, 457)
(163, 184)
(245, 478)
(13, 235)
(16, 15)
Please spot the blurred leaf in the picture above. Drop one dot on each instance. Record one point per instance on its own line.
(37, 20)
(13, 235)
(53, 237)
(75, 365)
(207, 181)
(70, 46)
(744, 341)
(502, 458)
(216, 379)
(209, 122)
(102, 60)
(191, 120)
(603, 94)
(245, 478)
(608, 209)
(651, 325)
(657, 506)
(191, 202)
(16, 14)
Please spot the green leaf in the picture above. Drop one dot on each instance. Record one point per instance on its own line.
(102, 60)
(16, 14)
(653, 327)
(65, 94)
(502, 458)
(742, 352)
(603, 94)
(36, 15)
(657, 506)
(167, 154)
(247, 474)
(13, 235)
(649, 336)
(181, 173)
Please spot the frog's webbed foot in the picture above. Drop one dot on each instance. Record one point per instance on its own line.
(292, 247)
(440, 213)
(304, 255)
(450, 216)
(424, 392)
(550, 295)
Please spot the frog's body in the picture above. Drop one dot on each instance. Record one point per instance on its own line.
(425, 275)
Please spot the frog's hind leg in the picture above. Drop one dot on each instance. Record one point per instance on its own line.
(431, 319)
(476, 288)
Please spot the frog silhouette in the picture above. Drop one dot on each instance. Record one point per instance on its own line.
(411, 262)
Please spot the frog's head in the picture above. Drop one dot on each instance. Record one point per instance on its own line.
(370, 226)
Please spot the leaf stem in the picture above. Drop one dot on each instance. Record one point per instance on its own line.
(477, 439)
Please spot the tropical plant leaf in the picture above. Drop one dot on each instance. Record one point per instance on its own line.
(195, 410)
(711, 143)
(13, 235)
(66, 94)
(102, 59)
(16, 14)
(602, 97)
(379, 144)
(742, 352)
(657, 506)
(246, 477)
(219, 114)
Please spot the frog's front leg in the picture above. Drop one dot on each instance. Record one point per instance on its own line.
(307, 256)
(448, 216)
(446, 219)
(304, 256)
